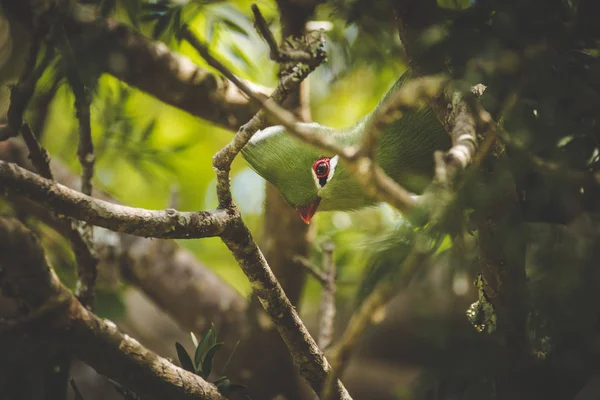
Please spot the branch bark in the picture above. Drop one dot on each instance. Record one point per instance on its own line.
(192, 288)
(26, 274)
(264, 351)
(136, 221)
(108, 46)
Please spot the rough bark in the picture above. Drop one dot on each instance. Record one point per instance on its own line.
(53, 310)
(107, 46)
(502, 254)
(285, 236)
(192, 288)
(136, 221)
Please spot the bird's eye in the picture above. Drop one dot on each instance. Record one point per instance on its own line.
(321, 168)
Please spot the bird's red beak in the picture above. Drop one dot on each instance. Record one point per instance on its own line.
(306, 212)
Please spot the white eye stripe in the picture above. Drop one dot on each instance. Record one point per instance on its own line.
(332, 164)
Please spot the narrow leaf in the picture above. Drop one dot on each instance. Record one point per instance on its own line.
(132, 8)
(208, 359)
(220, 380)
(233, 26)
(184, 358)
(194, 339)
(161, 26)
(148, 130)
(205, 343)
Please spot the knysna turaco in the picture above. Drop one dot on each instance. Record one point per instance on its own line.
(310, 179)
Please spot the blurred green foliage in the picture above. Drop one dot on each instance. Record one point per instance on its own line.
(145, 148)
(539, 58)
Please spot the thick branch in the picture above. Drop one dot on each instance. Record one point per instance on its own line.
(136, 221)
(192, 288)
(309, 359)
(95, 341)
(119, 50)
(153, 68)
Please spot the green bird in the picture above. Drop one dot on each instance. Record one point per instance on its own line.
(312, 180)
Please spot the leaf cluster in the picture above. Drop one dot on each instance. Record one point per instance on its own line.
(202, 363)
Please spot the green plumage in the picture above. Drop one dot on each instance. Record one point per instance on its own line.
(405, 153)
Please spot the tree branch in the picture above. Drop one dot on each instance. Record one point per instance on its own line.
(276, 53)
(327, 310)
(96, 341)
(84, 254)
(119, 50)
(153, 68)
(371, 176)
(86, 278)
(309, 359)
(136, 221)
(22, 91)
(192, 289)
(312, 269)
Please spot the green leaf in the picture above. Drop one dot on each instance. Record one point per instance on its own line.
(208, 359)
(177, 22)
(241, 56)
(233, 26)
(209, 30)
(219, 380)
(184, 358)
(109, 304)
(107, 7)
(148, 130)
(194, 339)
(132, 8)
(161, 26)
(207, 340)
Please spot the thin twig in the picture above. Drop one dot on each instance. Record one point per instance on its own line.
(276, 53)
(307, 356)
(376, 182)
(136, 221)
(85, 147)
(263, 29)
(37, 154)
(22, 92)
(312, 269)
(87, 261)
(327, 311)
(86, 275)
(385, 290)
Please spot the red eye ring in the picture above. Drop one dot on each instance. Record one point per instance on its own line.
(321, 168)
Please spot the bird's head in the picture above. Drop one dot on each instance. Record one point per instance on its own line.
(307, 177)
